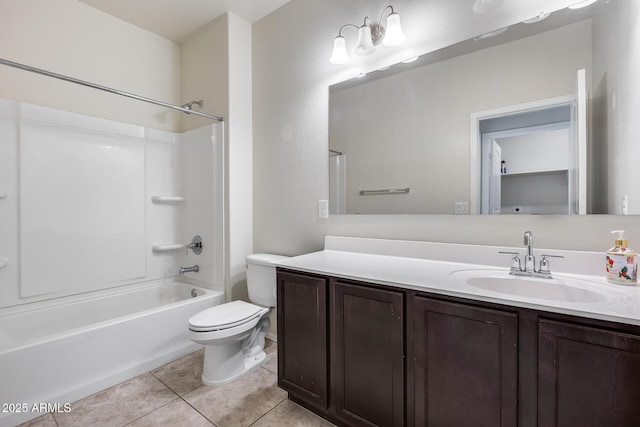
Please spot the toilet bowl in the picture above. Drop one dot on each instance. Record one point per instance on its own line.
(233, 333)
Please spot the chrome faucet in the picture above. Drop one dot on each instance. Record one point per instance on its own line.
(530, 261)
(193, 269)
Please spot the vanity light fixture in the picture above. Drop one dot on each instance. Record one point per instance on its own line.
(369, 36)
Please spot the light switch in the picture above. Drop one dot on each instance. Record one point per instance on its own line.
(323, 209)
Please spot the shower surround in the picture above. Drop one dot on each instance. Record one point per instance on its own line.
(91, 208)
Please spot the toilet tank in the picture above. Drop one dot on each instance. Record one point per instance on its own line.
(261, 278)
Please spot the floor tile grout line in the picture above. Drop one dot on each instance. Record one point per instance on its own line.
(212, 422)
(152, 411)
(196, 409)
(265, 414)
(177, 396)
(165, 384)
(181, 397)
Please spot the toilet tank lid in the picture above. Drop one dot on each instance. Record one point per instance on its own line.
(264, 259)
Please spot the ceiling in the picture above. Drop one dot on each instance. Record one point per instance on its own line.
(177, 19)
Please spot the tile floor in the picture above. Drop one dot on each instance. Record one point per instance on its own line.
(173, 395)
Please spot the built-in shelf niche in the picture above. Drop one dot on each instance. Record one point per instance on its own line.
(167, 200)
(168, 247)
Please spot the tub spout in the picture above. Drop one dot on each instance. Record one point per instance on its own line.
(193, 269)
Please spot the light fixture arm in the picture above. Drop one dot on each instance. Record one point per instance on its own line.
(377, 29)
(345, 26)
(385, 11)
(370, 34)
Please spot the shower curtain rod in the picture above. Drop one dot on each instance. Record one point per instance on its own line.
(106, 89)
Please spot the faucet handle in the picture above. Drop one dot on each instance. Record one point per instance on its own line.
(544, 263)
(195, 245)
(515, 260)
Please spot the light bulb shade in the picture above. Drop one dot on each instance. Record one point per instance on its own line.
(393, 35)
(339, 55)
(365, 43)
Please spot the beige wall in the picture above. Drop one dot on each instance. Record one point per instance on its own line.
(205, 71)
(240, 155)
(68, 37)
(291, 73)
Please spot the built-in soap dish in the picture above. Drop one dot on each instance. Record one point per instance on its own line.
(168, 247)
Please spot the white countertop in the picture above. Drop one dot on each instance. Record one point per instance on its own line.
(619, 304)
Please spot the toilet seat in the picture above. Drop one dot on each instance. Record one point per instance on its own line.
(226, 316)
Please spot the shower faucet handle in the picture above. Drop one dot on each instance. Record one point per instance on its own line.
(195, 245)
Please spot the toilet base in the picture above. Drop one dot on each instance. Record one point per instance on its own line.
(227, 360)
(215, 374)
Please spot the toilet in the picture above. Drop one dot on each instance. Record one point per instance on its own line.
(233, 333)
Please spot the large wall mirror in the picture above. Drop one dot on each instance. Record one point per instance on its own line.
(495, 125)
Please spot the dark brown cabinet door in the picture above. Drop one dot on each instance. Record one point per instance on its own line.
(587, 376)
(367, 354)
(464, 363)
(302, 336)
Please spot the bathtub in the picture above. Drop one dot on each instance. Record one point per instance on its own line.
(59, 351)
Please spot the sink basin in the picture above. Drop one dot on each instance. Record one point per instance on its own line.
(562, 289)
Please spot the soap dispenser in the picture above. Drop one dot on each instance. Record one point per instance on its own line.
(621, 262)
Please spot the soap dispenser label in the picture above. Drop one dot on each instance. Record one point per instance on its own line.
(622, 269)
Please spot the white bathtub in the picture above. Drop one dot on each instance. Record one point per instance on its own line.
(60, 351)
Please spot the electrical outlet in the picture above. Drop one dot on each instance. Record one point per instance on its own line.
(625, 204)
(461, 208)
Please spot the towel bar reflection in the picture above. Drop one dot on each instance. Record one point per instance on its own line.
(405, 190)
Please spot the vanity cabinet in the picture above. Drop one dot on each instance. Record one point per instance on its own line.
(302, 336)
(587, 376)
(464, 365)
(367, 354)
(360, 381)
(362, 354)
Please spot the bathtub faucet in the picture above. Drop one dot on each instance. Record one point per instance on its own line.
(193, 269)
